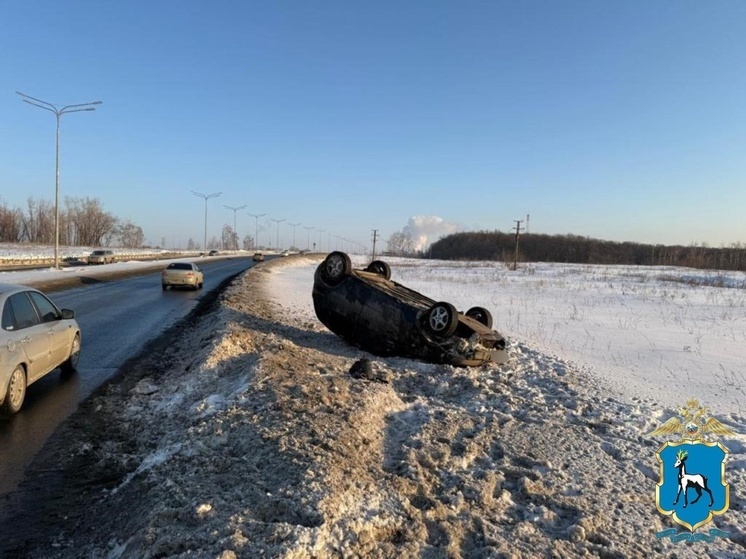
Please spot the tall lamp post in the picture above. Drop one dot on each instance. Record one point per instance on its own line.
(294, 225)
(206, 197)
(58, 112)
(277, 221)
(234, 220)
(320, 232)
(308, 242)
(256, 228)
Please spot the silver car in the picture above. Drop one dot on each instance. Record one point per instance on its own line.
(182, 274)
(101, 257)
(36, 337)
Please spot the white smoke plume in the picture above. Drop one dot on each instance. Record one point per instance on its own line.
(426, 229)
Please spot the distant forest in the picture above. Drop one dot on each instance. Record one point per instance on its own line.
(532, 247)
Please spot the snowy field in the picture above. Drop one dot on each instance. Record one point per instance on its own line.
(660, 334)
(248, 437)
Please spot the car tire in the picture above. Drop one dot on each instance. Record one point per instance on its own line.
(441, 320)
(335, 267)
(71, 365)
(16, 392)
(481, 315)
(379, 267)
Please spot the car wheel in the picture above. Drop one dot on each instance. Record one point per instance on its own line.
(480, 314)
(336, 266)
(441, 320)
(71, 364)
(16, 392)
(379, 267)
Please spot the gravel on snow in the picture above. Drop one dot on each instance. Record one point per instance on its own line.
(241, 434)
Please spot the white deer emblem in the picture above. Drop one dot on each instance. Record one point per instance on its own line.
(697, 481)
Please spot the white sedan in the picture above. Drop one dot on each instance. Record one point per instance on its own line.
(35, 338)
(182, 274)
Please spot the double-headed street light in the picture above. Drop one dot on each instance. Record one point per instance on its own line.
(256, 228)
(234, 219)
(206, 197)
(58, 112)
(277, 221)
(294, 225)
(308, 242)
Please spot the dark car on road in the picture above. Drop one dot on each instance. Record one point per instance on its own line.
(369, 310)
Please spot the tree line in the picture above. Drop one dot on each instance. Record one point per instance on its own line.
(82, 222)
(576, 249)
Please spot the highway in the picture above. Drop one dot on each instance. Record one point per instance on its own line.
(117, 319)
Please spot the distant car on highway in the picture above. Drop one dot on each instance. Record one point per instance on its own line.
(36, 337)
(285, 253)
(182, 274)
(213, 253)
(258, 257)
(101, 257)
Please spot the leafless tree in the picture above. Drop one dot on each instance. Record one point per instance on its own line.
(400, 244)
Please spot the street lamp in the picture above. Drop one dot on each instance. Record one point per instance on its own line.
(277, 221)
(256, 228)
(57, 113)
(206, 197)
(308, 242)
(234, 220)
(294, 225)
(320, 232)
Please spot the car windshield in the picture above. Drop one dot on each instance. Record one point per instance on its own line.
(98, 252)
(179, 266)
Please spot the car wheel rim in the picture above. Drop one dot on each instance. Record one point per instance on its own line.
(439, 319)
(16, 388)
(334, 267)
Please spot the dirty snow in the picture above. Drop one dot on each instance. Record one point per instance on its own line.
(247, 436)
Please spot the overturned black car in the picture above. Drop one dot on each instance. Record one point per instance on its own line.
(368, 310)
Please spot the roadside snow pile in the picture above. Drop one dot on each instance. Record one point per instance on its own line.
(248, 437)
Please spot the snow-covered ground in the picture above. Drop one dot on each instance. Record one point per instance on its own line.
(661, 334)
(249, 438)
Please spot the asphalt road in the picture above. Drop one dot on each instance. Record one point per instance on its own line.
(117, 318)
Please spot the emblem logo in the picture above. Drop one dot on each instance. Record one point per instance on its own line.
(692, 488)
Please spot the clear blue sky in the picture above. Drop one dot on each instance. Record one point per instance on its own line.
(616, 120)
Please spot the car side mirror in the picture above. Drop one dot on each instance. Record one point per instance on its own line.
(67, 314)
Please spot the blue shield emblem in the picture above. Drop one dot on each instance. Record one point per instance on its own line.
(692, 486)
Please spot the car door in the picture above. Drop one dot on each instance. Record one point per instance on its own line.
(30, 334)
(58, 330)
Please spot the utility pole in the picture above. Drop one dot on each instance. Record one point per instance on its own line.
(375, 238)
(517, 236)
